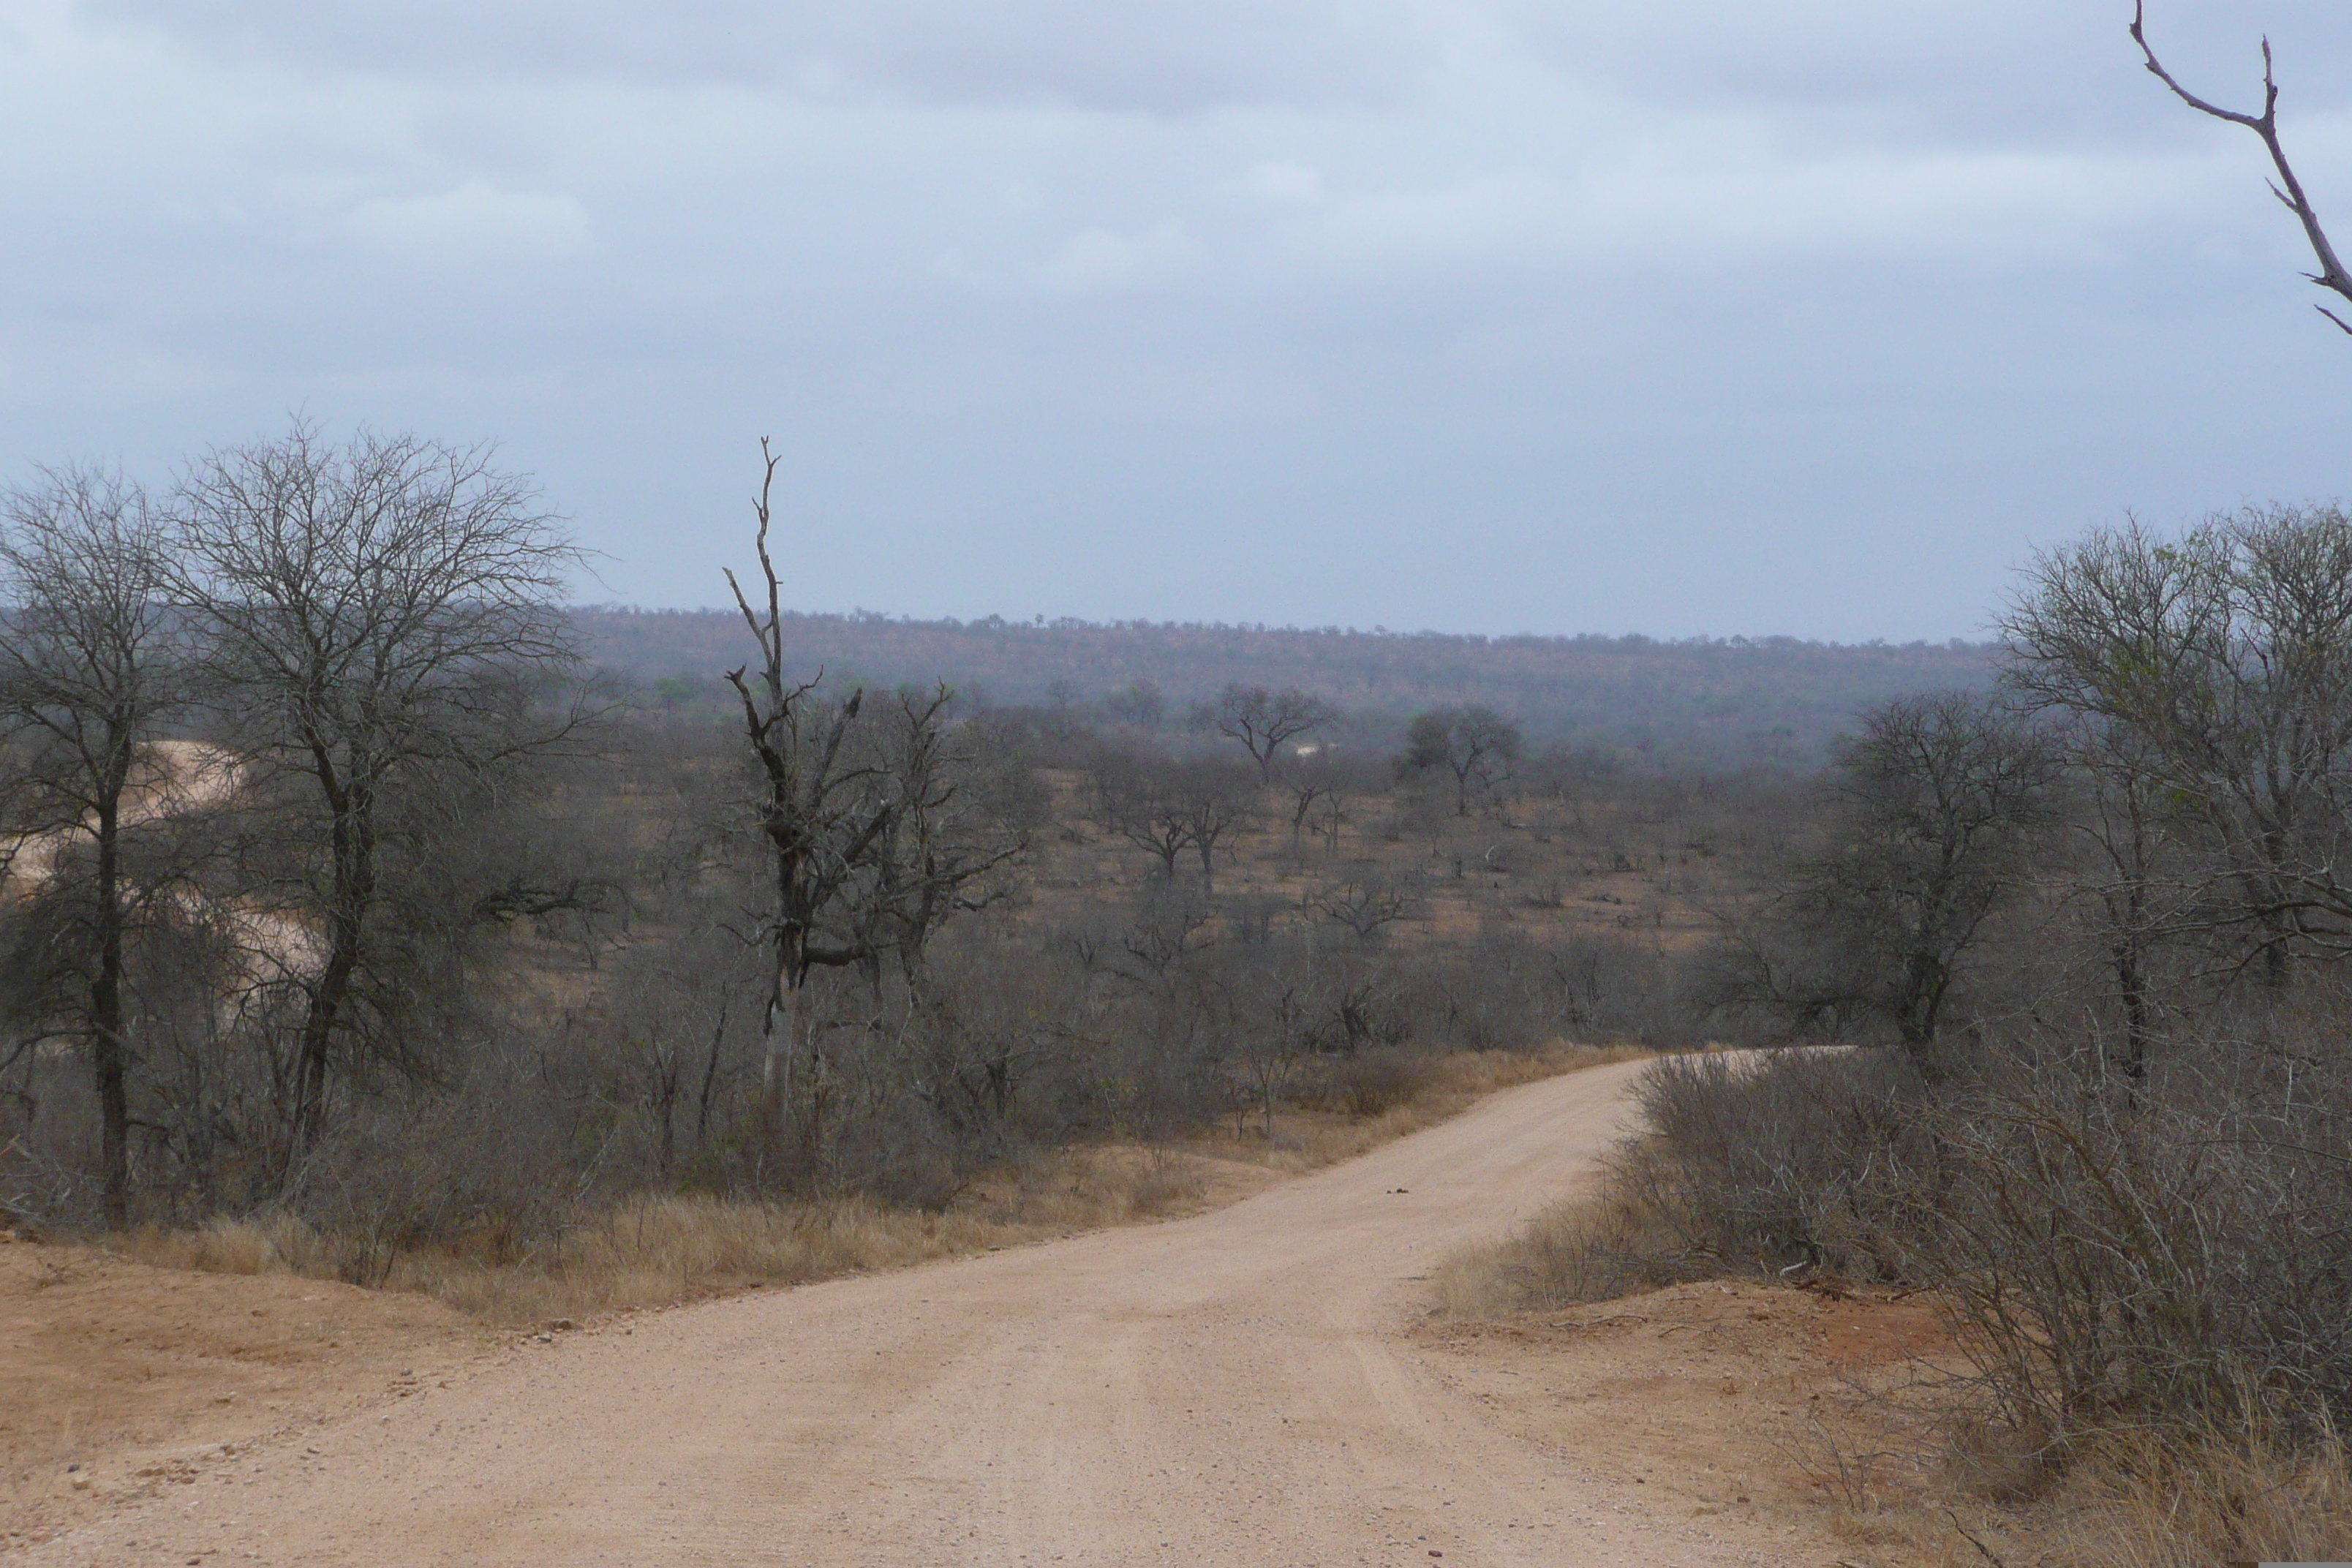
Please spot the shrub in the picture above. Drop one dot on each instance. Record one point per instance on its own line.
(1756, 1159)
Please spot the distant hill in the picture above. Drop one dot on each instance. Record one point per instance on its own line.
(1703, 701)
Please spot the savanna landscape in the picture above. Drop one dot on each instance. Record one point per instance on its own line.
(490, 1074)
(1925, 1146)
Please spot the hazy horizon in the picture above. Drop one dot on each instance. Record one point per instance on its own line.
(1043, 622)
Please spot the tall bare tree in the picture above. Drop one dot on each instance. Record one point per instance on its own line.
(1264, 720)
(2288, 188)
(92, 661)
(2223, 661)
(383, 617)
(823, 812)
(1937, 810)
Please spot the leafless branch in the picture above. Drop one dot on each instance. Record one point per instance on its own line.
(2289, 190)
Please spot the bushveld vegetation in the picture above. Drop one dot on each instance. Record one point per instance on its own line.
(1716, 705)
(2069, 955)
(352, 920)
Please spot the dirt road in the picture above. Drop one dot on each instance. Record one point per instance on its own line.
(1233, 1388)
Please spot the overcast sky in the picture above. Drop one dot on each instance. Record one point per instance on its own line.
(1693, 316)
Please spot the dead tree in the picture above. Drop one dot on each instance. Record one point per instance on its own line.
(92, 660)
(2331, 275)
(823, 813)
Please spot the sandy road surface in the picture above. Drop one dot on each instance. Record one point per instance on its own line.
(1232, 1388)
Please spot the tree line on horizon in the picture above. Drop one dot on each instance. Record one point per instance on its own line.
(1702, 704)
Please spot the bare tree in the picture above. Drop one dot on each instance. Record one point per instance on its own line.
(1262, 1021)
(1308, 780)
(1475, 744)
(975, 1052)
(383, 617)
(946, 848)
(1938, 808)
(2331, 275)
(2223, 659)
(1365, 905)
(1139, 703)
(1215, 803)
(92, 661)
(669, 1009)
(1264, 720)
(1159, 934)
(822, 814)
(1137, 798)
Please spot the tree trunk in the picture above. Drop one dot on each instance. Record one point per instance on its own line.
(107, 1051)
(355, 891)
(710, 1078)
(1925, 981)
(776, 1068)
(668, 1103)
(317, 1040)
(2134, 989)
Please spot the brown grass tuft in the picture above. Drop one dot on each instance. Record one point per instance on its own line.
(1595, 1247)
(269, 1244)
(2218, 1499)
(655, 1251)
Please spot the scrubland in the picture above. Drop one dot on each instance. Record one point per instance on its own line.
(469, 971)
(660, 1249)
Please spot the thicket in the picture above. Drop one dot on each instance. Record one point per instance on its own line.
(336, 889)
(2060, 971)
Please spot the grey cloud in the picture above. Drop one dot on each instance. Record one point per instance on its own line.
(2013, 71)
(1153, 56)
(1674, 318)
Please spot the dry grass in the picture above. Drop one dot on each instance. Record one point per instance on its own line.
(656, 1251)
(2217, 1500)
(2139, 1501)
(1592, 1248)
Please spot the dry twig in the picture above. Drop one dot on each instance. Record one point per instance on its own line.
(2331, 275)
